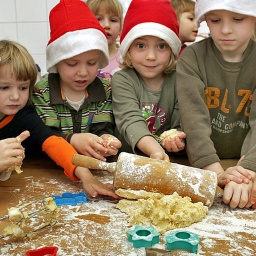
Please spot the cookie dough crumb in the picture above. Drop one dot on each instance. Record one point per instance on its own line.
(170, 134)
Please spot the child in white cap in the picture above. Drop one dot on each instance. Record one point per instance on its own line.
(72, 100)
(216, 82)
(144, 91)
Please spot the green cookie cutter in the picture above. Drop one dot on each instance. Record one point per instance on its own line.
(184, 240)
(143, 236)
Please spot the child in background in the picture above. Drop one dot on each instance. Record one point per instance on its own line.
(72, 100)
(144, 92)
(110, 16)
(185, 11)
(216, 88)
(21, 127)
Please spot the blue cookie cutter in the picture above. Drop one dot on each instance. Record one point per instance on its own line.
(182, 240)
(69, 198)
(143, 236)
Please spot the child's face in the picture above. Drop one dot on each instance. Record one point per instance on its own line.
(188, 27)
(13, 94)
(78, 72)
(231, 32)
(110, 23)
(150, 56)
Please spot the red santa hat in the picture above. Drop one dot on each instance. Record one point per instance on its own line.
(242, 7)
(150, 18)
(74, 30)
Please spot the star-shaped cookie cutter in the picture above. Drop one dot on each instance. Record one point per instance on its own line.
(143, 236)
(182, 239)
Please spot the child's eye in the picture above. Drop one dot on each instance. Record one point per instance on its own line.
(140, 45)
(162, 46)
(24, 87)
(4, 87)
(99, 18)
(114, 20)
(71, 64)
(92, 63)
(215, 20)
(238, 19)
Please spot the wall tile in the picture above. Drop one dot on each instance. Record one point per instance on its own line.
(7, 11)
(8, 31)
(41, 61)
(33, 36)
(31, 10)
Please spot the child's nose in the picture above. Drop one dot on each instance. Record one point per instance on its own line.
(226, 28)
(82, 71)
(15, 95)
(151, 54)
(105, 23)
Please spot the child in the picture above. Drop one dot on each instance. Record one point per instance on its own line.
(72, 100)
(110, 15)
(216, 83)
(144, 94)
(185, 11)
(19, 119)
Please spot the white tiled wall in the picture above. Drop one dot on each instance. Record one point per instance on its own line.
(26, 21)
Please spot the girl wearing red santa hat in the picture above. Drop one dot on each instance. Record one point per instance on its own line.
(144, 93)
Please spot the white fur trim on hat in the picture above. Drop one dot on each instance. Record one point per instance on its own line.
(246, 7)
(74, 43)
(151, 29)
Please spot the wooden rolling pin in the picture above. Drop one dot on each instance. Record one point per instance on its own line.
(144, 173)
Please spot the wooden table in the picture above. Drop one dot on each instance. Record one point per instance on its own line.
(99, 228)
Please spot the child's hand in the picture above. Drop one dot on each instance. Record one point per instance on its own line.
(12, 152)
(111, 143)
(175, 144)
(89, 144)
(92, 185)
(253, 192)
(160, 155)
(237, 174)
(237, 195)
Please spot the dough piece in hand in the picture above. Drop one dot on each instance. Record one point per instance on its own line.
(165, 213)
(170, 134)
(15, 167)
(5, 175)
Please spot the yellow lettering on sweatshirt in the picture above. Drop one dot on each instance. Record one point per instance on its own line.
(213, 100)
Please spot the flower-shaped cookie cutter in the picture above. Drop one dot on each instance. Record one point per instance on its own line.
(47, 250)
(69, 198)
(143, 236)
(184, 240)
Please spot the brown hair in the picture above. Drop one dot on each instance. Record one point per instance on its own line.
(21, 62)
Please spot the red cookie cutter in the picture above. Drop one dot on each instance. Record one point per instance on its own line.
(47, 250)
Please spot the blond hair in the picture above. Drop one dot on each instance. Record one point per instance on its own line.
(21, 62)
(181, 6)
(110, 6)
(254, 34)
